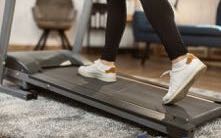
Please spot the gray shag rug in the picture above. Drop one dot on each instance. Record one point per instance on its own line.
(60, 117)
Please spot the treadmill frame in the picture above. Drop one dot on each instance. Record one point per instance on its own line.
(172, 129)
(164, 123)
(81, 28)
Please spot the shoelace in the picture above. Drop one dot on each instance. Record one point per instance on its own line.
(190, 57)
(172, 82)
(168, 72)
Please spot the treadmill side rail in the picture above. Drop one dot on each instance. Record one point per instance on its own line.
(18, 93)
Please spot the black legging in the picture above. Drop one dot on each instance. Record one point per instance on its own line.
(161, 16)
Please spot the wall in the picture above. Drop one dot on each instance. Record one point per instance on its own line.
(196, 11)
(24, 29)
(25, 32)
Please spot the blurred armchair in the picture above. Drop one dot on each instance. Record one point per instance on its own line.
(54, 15)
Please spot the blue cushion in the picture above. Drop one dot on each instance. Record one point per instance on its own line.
(203, 30)
(209, 41)
(141, 24)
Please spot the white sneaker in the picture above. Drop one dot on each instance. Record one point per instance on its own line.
(99, 71)
(182, 78)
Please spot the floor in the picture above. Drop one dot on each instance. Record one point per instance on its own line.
(155, 66)
(53, 116)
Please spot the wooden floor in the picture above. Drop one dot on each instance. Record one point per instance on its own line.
(155, 66)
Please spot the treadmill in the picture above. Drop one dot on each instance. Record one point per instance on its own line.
(130, 98)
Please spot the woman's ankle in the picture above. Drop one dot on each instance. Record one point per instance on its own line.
(108, 63)
(184, 59)
(178, 59)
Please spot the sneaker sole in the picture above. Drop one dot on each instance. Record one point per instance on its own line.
(182, 93)
(105, 79)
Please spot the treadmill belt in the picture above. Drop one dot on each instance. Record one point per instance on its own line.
(145, 97)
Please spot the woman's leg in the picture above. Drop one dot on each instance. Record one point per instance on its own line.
(185, 67)
(161, 17)
(104, 68)
(115, 27)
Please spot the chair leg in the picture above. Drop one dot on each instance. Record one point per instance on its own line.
(45, 39)
(37, 47)
(145, 54)
(135, 50)
(67, 41)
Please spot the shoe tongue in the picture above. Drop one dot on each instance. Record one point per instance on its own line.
(179, 64)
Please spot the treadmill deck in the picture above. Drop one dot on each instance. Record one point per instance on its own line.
(132, 96)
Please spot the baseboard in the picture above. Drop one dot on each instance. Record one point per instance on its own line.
(84, 49)
(29, 48)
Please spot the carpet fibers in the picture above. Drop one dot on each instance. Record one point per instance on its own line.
(60, 117)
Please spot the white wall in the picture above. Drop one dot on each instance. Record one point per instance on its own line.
(194, 11)
(197, 12)
(25, 31)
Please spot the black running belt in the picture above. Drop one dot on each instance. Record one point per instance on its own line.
(132, 96)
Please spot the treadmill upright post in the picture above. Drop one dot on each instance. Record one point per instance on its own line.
(5, 34)
(4, 43)
(82, 25)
